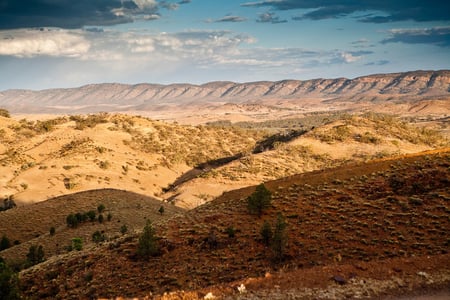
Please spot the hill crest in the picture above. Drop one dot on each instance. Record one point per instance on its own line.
(339, 93)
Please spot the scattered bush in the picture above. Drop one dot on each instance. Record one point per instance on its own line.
(231, 231)
(161, 210)
(124, 229)
(101, 208)
(77, 244)
(4, 243)
(9, 283)
(52, 230)
(279, 241)
(98, 237)
(35, 255)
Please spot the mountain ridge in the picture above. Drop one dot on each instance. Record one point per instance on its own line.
(403, 87)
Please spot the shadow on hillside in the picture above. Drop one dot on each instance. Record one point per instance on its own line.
(267, 144)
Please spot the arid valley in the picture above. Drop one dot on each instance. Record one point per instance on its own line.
(316, 189)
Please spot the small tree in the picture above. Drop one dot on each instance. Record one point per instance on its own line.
(259, 200)
(161, 210)
(72, 221)
(266, 233)
(4, 243)
(109, 217)
(35, 255)
(100, 208)
(100, 218)
(91, 215)
(148, 245)
(280, 238)
(52, 230)
(9, 283)
(123, 229)
(98, 237)
(77, 244)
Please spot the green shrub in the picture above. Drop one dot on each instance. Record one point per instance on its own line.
(35, 255)
(101, 208)
(266, 233)
(279, 241)
(9, 282)
(231, 231)
(5, 243)
(77, 244)
(259, 200)
(148, 244)
(98, 237)
(161, 210)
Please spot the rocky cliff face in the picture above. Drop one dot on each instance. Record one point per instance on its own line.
(396, 87)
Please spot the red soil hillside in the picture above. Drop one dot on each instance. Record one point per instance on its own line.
(383, 220)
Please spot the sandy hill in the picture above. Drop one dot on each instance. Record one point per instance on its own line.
(375, 227)
(418, 92)
(43, 159)
(48, 158)
(335, 142)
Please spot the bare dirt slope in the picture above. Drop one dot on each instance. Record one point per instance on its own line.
(376, 227)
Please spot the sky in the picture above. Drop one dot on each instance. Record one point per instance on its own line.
(66, 43)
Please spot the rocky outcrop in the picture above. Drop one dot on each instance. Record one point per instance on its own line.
(408, 86)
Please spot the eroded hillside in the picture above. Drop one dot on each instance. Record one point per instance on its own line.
(373, 227)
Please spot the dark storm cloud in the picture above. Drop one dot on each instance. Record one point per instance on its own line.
(439, 36)
(269, 17)
(398, 10)
(72, 14)
(231, 19)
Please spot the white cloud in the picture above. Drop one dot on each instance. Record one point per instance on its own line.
(53, 42)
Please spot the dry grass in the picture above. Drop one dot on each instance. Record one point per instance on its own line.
(378, 211)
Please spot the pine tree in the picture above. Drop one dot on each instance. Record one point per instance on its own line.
(259, 200)
(148, 245)
(280, 238)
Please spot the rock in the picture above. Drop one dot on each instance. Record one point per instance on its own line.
(339, 279)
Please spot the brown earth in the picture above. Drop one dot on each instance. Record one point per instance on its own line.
(380, 226)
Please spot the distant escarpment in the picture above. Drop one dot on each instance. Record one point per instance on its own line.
(341, 93)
